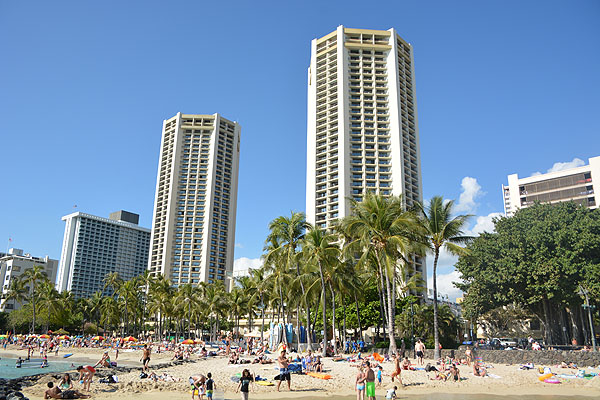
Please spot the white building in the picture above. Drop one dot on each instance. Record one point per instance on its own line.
(574, 184)
(193, 230)
(14, 264)
(95, 246)
(362, 122)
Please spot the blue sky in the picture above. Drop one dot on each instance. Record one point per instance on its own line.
(502, 87)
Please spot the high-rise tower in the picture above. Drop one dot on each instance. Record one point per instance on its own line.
(362, 122)
(193, 230)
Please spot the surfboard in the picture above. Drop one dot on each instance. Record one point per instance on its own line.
(318, 375)
(264, 383)
(235, 379)
(68, 355)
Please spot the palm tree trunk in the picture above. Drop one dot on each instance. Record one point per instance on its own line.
(324, 350)
(283, 317)
(358, 315)
(344, 308)
(262, 326)
(390, 313)
(436, 337)
(333, 319)
(33, 305)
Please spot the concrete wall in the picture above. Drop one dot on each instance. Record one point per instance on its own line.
(541, 357)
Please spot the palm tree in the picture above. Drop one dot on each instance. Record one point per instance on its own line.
(385, 234)
(17, 291)
(112, 280)
(442, 231)
(262, 291)
(278, 275)
(320, 248)
(288, 232)
(32, 276)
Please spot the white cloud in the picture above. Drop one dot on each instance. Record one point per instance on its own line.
(243, 264)
(445, 285)
(239, 246)
(561, 166)
(484, 224)
(471, 190)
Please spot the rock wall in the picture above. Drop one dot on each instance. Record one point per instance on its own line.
(540, 357)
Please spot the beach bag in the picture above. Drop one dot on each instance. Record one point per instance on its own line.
(143, 375)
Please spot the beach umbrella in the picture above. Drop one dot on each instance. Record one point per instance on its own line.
(64, 337)
(44, 336)
(3, 336)
(130, 339)
(188, 341)
(98, 338)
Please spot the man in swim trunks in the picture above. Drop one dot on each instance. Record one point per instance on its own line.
(397, 370)
(370, 381)
(54, 392)
(197, 382)
(406, 363)
(455, 373)
(420, 349)
(284, 373)
(145, 358)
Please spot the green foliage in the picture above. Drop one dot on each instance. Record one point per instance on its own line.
(536, 259)
(90, 329)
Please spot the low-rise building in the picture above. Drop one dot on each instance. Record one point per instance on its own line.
(574, 184)
(13, 265)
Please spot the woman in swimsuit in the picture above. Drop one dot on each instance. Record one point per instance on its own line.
(360, 384)
(86, 374)
(66, 382)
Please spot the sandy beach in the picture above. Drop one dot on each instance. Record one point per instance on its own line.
(509, 379)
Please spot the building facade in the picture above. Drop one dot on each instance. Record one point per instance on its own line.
(574, 184)
(193, 229)
(363, 133)
(95, 246)
(13, 265)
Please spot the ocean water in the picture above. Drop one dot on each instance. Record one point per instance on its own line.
(9, 371)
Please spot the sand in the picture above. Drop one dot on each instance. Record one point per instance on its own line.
(512, 382)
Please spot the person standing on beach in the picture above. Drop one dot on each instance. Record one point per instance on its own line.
(244, 385)
(145, 358)
(86, 374)
(397, 370)
(420, 349)
(197, 382)
(210, 386)
(370, 381)
(284, 373)
(360, 384)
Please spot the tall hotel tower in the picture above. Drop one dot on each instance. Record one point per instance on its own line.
(362, 122)
(193, 230)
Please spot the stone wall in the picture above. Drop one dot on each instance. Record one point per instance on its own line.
(539, 357)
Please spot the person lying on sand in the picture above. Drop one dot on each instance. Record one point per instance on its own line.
(478, 370)
(54, 392)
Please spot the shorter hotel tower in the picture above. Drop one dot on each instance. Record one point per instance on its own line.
(193, 230)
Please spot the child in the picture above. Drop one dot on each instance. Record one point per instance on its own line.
(379, 373)
(391, 393)
(210, 386)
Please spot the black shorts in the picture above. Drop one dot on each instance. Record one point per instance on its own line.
(419, 354)
(68, 394)
(285, 377)
(145, 360)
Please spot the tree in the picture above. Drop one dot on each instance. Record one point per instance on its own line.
(385, 234)
(32, 276)
(442, 230)
(288, 233)
(536, 260)
(320, 249)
